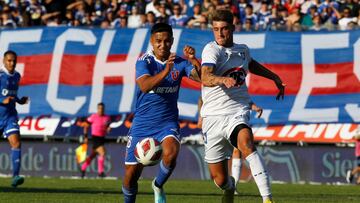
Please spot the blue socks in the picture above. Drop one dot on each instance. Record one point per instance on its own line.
(129, 194)
(163, 174)
(16, 161)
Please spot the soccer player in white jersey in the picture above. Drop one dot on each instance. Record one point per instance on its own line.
(158, 79)
(226, 106)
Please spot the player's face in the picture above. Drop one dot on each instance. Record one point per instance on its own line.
(161, 43)
(10, 62)
(100, 109)
(223, 33)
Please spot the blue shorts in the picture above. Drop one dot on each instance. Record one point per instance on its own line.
(9, 126)
(133, 140)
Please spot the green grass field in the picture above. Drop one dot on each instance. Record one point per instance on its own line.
(178, 191)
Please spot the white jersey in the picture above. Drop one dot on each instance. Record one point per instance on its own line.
(231, 62)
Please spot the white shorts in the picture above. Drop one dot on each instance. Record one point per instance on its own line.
(217, 131)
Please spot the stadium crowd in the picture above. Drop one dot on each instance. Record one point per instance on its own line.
(249, 15)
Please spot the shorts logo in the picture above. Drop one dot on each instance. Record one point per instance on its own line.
(5, 92)
(175, 75)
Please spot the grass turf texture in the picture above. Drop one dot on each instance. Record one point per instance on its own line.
(178, 191)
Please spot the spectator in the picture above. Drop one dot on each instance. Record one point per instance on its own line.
(177, 19)
(134, 20)
(35, 10)
(264, 13)
(197, 19)
(317, 24)
(346, 19)
(150, 19)
(250, 15)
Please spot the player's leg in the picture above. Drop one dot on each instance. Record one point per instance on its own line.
(132, 171)
(242, 137)
(171, 146)
(87, 162)
(219, 173)
(130, 185)
(236, 167)
(15, 143)
(218, 151)
(101, 151)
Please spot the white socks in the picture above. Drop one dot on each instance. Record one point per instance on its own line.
(236, 169)
(259, 173)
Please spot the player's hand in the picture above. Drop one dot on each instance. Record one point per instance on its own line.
(258, 110)
(229, 82)
(7, 100)
(108, 130)
(281, 86)
(170, 61)
(24, 100)
(189, 52)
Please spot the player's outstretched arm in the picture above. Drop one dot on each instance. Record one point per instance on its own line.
(148, 82)
(258, 69)
(189, 53)
(208, 78)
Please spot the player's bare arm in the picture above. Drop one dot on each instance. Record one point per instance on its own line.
(189, 53)
(209, 79)
(147, 82)
(258, 69)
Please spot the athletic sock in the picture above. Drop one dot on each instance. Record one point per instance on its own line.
(236, 169)
(129, 194)
(227, 186)
(16, 160)
(101, 164)
(259, 173)
(86, 163)
(163, 174)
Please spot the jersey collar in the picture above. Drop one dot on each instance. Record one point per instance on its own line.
(6, 71)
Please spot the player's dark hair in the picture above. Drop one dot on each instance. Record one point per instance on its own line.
(10, 52)
(161, 27)
(101, 104)
(223, 15)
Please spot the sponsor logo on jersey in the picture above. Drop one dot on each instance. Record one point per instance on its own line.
(238, 73)
(165, 90)
(5, 92)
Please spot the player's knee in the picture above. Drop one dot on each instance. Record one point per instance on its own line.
(219, 180)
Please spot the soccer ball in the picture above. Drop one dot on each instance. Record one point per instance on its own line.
(148, 152)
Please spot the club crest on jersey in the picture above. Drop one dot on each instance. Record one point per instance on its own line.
(238, 73)
(175, 74)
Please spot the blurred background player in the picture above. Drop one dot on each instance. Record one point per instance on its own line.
(9, 85)
(356, 170)
(226, 109)
(99, 123)
(158, 78)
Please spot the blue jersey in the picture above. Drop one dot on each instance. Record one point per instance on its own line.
(157, 109)
(9, 85)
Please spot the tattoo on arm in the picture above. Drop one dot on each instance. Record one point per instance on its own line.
(208, 78)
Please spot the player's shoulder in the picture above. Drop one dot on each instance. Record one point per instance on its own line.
(17, 74)
(212, 47)
(146, 57)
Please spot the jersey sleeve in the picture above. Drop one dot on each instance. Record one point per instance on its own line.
(209, 55)
(142, 68)
(247, 54)
(188, 68)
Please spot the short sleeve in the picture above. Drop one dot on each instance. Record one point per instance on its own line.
(142, 68)
(188, 68)
(209, 55)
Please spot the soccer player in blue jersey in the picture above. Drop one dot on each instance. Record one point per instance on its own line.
(9, 85)
(158, 78)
